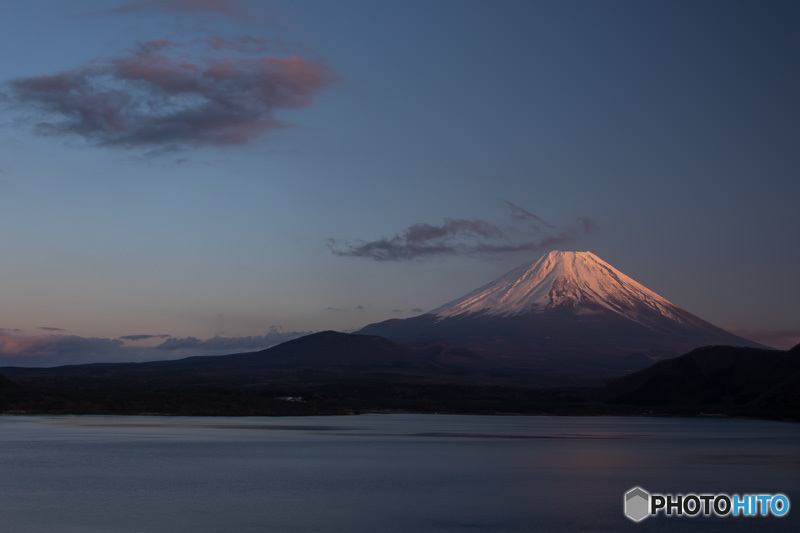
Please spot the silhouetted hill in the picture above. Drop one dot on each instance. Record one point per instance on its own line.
(9, 391)
(337, 373)
(7, 385)
(323, 357)
(323, 373)
(717, 379)
(320, 357)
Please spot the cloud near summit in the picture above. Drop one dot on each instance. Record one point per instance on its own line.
(156, 95)
(527, 232)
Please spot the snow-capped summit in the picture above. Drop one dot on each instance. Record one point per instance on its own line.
(567, 314)
(569, 280)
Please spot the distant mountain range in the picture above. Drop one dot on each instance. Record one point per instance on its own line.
(569, 314)
(324, 357)
(322, 373)
(319, 357)
(545, 338)
(338, 373)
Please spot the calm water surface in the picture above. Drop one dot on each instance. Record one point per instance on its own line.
(381, 473)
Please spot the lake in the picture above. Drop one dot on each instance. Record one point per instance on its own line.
(382, 473)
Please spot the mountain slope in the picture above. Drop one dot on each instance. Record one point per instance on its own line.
(324, 356)
(569, 312)
(562, 280)
(7, 385)
(733, 380)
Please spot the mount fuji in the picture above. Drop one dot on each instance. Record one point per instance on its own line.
(566, 314)
(538, 340)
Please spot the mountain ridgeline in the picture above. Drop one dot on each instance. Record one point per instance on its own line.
(729, 380)
(568, 334)
(570, 315)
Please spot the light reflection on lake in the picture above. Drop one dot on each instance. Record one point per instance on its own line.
(381, 473)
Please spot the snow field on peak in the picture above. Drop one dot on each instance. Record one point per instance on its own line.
(561, 279)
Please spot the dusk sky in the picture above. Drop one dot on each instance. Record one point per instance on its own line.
(210, 176)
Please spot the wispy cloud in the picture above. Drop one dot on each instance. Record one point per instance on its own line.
(55, 349)
(47, 328)
(528, 232)
(154, 97)
(587, 224)
(227, 344)
(523, 215)
(144, 337)
(358, 307)
(415, 311)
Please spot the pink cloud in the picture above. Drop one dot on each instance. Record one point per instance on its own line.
(45, 345)
(148, 97)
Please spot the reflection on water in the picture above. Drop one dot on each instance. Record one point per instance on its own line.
(381, 473)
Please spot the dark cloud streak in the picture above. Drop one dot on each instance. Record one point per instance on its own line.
(518, 214)
(144, 337)
(463, 237)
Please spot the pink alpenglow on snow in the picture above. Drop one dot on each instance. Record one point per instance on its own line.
(561, 279)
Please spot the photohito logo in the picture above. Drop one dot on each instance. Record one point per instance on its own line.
(639, 504)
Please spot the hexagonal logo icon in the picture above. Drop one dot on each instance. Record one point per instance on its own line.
(637, 504)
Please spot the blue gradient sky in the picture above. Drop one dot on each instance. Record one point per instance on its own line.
(668, 130)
